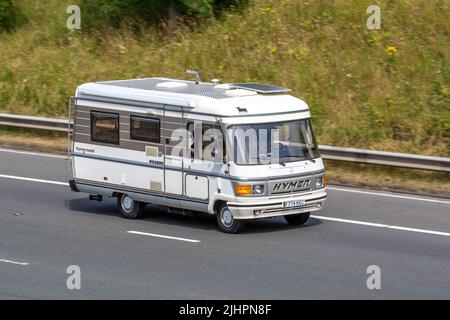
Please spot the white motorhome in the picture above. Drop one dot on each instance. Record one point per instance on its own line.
(240, 151)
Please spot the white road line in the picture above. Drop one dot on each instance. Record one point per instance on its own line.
(389, 195)
(15, 262)
(33, 180)
(379, 225)
(41, 154)
(163, 236)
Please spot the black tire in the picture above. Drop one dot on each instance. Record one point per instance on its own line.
(226, 221)
(297, 219)
(129, 208)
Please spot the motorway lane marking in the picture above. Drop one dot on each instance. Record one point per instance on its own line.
(33, 180)
(163, 236)
(389, 195)
(15, 262)
(380, 225)
(50, 155)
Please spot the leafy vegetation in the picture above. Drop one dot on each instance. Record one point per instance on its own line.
(7, 15)
(382, 89)
(151, 12)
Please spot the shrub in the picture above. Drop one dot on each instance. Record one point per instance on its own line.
(153, 11)
(7, 15)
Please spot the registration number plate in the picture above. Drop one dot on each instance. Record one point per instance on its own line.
(293, 203)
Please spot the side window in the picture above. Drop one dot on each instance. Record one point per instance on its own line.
(105, 127)
(145, 129)
(206, 142)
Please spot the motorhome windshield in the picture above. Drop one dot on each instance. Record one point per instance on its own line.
(277, 142)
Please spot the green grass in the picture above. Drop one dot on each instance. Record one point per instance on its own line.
(359, 95)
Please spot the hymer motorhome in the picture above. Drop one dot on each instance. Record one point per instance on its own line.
(240, 151)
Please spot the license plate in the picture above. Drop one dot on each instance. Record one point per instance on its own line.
(293, 203)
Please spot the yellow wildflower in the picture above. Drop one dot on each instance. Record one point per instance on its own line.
(391, 50)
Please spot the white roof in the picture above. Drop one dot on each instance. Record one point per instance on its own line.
(200, 98)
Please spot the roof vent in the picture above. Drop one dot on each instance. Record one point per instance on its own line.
(171, 84)
(240, 92)
(223, 86)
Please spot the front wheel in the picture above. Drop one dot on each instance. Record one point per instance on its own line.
(297, 219)
(226, 221)
(129, 208)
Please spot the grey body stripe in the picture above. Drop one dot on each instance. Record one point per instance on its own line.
(82, 121)
(82, 130)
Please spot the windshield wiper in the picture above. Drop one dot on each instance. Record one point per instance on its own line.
(309, 157)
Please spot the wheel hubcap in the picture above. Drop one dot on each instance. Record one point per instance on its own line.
(127, 203)
(227, 218)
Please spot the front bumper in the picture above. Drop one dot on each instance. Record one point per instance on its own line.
(274, 207)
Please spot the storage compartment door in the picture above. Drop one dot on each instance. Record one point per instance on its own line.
(197, 186)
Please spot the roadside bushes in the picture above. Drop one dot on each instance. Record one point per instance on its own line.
(8, 15)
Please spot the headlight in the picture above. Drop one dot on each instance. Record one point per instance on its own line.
(248, 190)
(321, 182)
(258, 189)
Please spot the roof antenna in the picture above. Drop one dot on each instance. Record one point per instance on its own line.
(195, 73)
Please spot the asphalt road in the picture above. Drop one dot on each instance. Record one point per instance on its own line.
(44, 228)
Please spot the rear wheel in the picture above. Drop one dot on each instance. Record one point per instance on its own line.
(226, 221)
(129, 208)
(297, 219)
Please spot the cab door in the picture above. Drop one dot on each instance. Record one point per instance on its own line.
(201, 161)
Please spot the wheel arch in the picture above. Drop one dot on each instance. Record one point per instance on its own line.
(217, 204)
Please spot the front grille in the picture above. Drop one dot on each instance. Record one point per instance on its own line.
(290, 186)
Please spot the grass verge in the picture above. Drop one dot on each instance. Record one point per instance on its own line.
(388, 178)
(35, 140)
